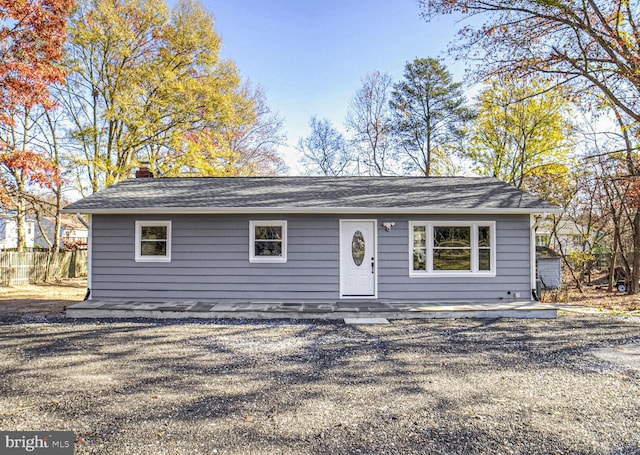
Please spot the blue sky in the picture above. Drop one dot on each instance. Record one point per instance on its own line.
(310, 56)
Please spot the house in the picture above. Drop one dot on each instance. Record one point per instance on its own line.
(9, 232)
(312, 239)
(72, 232)
(570, 236)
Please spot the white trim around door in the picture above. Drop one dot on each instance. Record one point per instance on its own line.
(358, 259)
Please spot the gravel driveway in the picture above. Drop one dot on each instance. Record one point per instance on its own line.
(431, 386)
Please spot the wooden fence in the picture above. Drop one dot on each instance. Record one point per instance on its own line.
(23, 268)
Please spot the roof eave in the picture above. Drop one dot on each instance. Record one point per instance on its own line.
(310, 210)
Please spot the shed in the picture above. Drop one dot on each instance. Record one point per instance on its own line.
(549, 265)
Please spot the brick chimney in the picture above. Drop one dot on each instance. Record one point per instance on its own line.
(144, 172)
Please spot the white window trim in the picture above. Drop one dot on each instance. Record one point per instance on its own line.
(252, 242)
(139, 226)
(429, 272)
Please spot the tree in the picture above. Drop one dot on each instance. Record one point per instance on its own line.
(522, 134)
(627, 195)
(21, 170)
(370, 123)
(617, 198)
(145, 82)
(429, 115)
(244, 145)
(32, 35)
(324, 151)
(48, 139)
(255, 138)
(592, 43)
(570, 191)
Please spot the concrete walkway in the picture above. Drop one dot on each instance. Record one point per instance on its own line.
(320, 310)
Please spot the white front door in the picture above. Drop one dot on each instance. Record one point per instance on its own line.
(358, 268)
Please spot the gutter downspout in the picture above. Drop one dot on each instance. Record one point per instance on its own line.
(533, 226)
(82, 220)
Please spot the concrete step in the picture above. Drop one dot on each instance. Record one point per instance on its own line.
(308, 310)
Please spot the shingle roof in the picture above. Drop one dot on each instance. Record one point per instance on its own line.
(312, 194)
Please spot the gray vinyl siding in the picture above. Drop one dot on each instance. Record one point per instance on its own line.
(210, 261)
(512, 265)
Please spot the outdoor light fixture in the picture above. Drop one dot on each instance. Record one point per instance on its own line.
(388, 225)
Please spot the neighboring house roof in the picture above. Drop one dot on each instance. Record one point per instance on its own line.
(12, 215)
(312, 194)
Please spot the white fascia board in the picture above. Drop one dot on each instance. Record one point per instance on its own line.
(309, 210)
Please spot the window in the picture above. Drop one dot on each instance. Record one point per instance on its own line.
(267, 241)
(153, 241)
(452, 249)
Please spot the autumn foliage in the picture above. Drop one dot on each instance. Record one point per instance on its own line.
(147, 83)
(30, 166)
(32, 36)
(589, 45)
(31, 45)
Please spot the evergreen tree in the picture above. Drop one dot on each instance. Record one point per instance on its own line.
(429, 116)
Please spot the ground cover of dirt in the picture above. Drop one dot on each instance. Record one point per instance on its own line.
(594, 294)
(596, 297)
(47, 299)
(599, 298)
